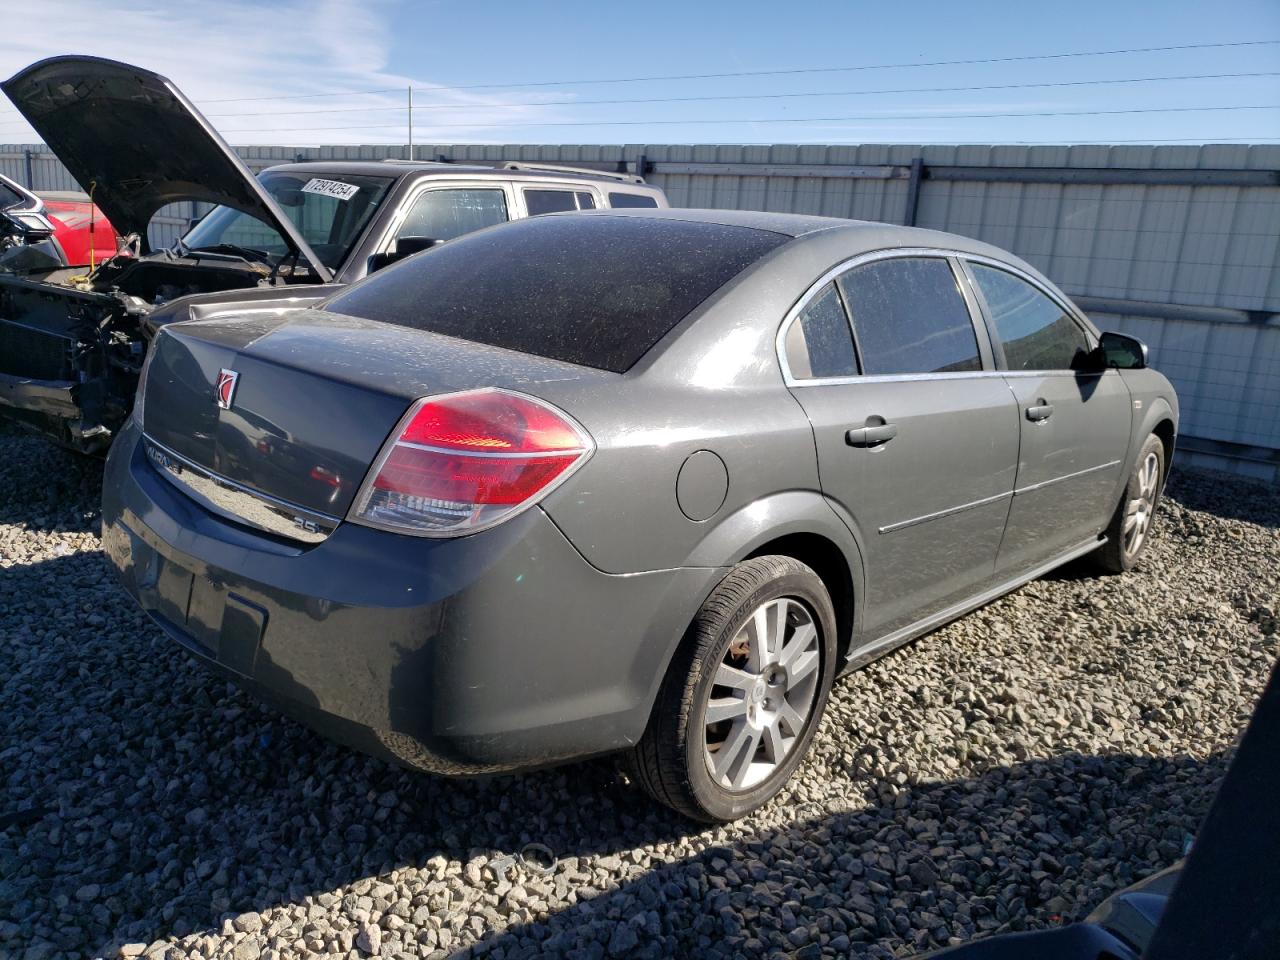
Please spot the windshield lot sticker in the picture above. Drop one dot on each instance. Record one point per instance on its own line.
(331, 188)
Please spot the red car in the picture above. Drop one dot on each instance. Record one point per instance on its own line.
(71, 230)
(79, 227)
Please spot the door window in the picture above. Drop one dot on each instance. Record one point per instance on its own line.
(910, 317)
(818, 343)
(585, 200)
(1036, 332)
(445, 214)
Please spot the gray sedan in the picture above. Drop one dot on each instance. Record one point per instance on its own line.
(636, 482)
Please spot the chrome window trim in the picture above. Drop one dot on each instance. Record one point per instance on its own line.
(236, 502)
(939, 253)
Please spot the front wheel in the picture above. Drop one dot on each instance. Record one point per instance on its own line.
(1130, 528)
(744, 695)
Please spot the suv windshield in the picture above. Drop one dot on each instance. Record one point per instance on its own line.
(329, 210)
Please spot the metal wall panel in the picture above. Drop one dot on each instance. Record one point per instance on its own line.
(1192, 245)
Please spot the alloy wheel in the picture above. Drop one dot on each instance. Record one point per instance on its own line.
(1138, 511)
(762, 694)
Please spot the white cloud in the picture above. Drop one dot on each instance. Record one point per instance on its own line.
(239, 48)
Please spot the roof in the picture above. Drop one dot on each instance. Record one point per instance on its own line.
(399, 168)
(867, 234)
(787, 224)
(63, 196)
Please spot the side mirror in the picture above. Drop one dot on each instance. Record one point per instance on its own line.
(405, 247)
(408, 246)
(1121, 352)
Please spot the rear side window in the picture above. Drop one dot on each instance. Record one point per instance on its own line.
(445, 214)
(598, 291)
(585, 200)
(621, 200)
(910, 317)
(8, 196)
(1037, 334)
(549, 201)
(818, 341)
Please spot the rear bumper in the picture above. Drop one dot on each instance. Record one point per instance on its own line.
(497, 651)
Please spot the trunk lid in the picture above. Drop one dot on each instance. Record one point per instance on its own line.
(315, 398)
(130, 136)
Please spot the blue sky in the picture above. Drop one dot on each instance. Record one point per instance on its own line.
(302, 53)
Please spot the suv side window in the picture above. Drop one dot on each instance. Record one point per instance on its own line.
(620, 200)
(553, 201)
(909, 316)
(1036, 333)
(445, 214)
(818, 342)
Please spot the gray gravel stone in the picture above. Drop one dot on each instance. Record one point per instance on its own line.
(1006, 772)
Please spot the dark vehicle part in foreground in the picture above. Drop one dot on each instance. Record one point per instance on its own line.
(1223, 901)
(71, 347)
(638, 481)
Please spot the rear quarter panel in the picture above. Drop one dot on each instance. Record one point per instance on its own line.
(621, 509)
(713, 384)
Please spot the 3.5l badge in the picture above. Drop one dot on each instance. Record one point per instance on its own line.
(225, 390)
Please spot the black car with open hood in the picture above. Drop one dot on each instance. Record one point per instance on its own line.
(72, 346)
(131, 136)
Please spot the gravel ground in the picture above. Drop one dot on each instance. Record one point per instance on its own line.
(1006, 772)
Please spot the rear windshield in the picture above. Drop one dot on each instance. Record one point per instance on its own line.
(598, 291)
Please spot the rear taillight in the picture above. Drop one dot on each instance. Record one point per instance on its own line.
(464, 461)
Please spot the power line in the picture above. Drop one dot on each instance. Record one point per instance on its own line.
(1201, 141)
(758, 96)
(764, 96)
(721, 120)
(307, 96)
(873, 66)
(769, 73)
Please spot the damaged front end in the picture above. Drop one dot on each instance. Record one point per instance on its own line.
(72, 346)
(69, 360)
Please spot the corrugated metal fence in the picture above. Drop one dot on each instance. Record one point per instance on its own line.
(1178, 245)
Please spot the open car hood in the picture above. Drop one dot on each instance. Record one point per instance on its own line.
(133, 139)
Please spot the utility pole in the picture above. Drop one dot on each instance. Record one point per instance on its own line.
(411, 122)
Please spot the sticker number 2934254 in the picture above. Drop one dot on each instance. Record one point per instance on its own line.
(331, 188)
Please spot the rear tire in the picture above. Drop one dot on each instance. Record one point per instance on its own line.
(743, 695)
(1130, 528)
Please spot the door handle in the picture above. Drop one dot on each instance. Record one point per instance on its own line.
(1040, 411)
(871, 436)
